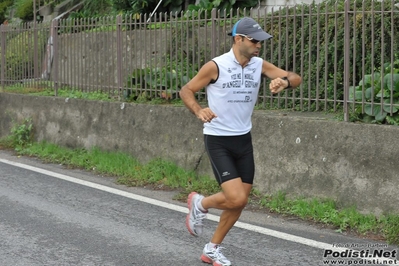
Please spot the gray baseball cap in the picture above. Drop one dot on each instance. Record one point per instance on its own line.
(249, 27)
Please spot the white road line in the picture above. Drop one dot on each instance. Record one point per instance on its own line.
(246, 226)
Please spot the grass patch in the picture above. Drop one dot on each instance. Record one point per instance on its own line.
(165, 175)
(326, 211)
(46, 88)
(157, 173)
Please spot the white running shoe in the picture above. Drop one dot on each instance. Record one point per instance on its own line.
(214, 256)
(195, 216)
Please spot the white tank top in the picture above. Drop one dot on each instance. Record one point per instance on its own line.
(233, 96)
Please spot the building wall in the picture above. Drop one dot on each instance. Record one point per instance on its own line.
(275, 5)
(282, 3)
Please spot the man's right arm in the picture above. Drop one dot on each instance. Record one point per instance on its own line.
(205, 75)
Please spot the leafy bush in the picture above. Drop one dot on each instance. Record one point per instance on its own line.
(323, 43)
(205, 7)
(24, 9)
(378, 89)
(22, 135)
(98, 7)
(176, 6)
(165, 82)
(122, 4)
(20, 54)
(4, 5)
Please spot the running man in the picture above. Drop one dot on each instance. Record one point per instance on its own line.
(232, 82)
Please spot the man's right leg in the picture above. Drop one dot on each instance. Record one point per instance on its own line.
(232, 200)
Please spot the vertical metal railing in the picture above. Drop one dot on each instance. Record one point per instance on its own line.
(346, 60)
(119, 54)
(54, 38)
(109, 54)
(36, 55)
(3, 43)
(214, 38)
(392, 59)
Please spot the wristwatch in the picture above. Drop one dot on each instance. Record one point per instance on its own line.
(289, 84)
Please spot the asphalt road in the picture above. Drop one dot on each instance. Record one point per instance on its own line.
(50, 215)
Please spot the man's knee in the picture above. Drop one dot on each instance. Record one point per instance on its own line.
(238, 202)
(236, 193)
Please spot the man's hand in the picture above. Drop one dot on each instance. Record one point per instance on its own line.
(277, 85)
(205, 115)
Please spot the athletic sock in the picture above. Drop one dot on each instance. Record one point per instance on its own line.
(212, 245)
(199, 205)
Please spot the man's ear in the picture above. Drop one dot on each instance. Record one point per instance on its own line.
(236, 38)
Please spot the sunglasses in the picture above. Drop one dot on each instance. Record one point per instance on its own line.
(252, 40)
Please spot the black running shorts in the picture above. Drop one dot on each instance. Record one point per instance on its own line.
(231, 157)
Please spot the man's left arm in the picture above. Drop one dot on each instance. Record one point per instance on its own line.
(280, 79)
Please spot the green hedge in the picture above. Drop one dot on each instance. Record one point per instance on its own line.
(330, 46)
(4, 5)
(20, 54)
(24, 9)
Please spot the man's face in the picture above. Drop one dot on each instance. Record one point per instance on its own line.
(249, 47)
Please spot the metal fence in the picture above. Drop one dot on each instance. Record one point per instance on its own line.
(346, 52)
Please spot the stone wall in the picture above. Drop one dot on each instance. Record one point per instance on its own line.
(301, 154)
